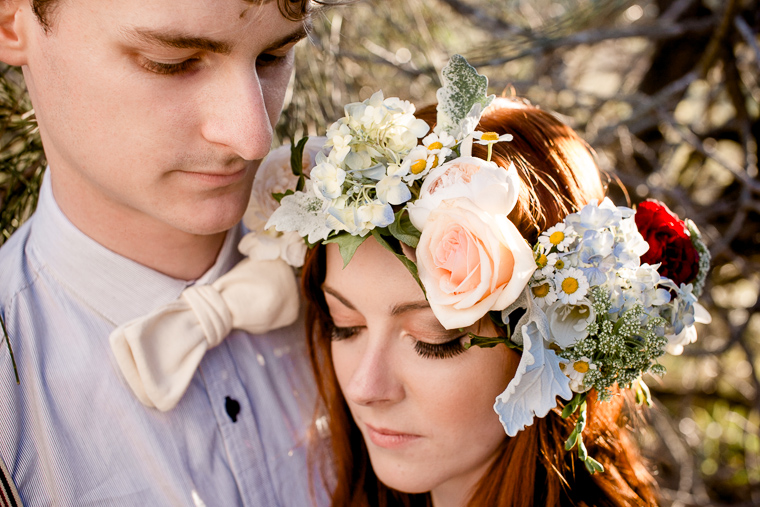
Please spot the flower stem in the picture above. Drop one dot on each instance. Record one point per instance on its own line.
(8, 342)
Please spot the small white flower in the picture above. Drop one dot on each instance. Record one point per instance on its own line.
(343, 218)
(327, 180)
(486, 138)
(571, 285)
(552, 264)
(439, 146)
(576, 372)
(595, 217)
(340, 139)
(416, 164)
(543, 292)
(393, 190)
(375, 213)
(560, 236)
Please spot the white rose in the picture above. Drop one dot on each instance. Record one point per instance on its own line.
(485, 184)
(275, 176)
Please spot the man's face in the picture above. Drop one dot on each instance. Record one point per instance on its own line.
(157, 111)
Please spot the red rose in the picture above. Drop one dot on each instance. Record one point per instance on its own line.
(669, 242)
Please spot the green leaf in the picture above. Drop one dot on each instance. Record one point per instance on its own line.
(403, 230)
(347, 244)
(488, 342)
(573, 405)
(296, 156)
(592, 465)
(10, 350)
(392, 244)
(462, 88)
(582, 452)
(279, 195)
(572, 440)
(301, 183)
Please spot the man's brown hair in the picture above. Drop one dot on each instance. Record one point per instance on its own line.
(294, 10)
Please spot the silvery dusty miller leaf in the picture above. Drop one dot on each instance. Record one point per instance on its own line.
(462, 88)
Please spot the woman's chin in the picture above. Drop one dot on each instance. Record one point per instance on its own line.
(405, 477)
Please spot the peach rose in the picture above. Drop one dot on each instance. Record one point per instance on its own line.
(471, 262)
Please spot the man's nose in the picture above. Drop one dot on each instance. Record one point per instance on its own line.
(374, 380)
(236, 114)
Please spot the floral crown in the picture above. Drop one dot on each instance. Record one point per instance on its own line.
(602, 295)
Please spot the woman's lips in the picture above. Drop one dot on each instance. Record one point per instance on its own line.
(389, 439)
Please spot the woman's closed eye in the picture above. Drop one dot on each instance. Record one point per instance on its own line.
(440, 350)
(344, 333)
(426, 350)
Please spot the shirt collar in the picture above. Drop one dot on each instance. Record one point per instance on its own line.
(118, 288)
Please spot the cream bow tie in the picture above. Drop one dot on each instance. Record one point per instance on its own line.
(159, 353)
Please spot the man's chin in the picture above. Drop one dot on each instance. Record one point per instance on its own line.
(206, 221)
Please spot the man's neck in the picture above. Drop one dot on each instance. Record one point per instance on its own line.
(141, 238)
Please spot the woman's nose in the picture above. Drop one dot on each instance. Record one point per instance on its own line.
(374, 380)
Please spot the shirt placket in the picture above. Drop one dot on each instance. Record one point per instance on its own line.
(236, 419)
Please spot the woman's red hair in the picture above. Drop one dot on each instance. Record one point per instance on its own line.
(559, 176)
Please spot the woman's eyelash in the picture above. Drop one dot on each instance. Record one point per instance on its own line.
(343, 333)
(168, 69)
(423, 349)
(440, 350)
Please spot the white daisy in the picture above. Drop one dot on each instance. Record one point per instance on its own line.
(543, 293)
(571, 285)
(560, 236)
(576, 372)
(486, 138)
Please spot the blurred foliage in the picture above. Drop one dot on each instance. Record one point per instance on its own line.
(668, 94)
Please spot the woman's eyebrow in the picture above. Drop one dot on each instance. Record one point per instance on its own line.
(409, 307)
(334, 293)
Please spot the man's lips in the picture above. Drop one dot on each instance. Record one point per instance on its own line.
(390, 439)
(219, 179)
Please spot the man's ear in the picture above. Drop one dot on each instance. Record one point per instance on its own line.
(14, 31)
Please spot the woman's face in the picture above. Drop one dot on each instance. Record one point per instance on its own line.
(423, 403)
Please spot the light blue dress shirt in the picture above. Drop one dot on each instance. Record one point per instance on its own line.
(73, 434)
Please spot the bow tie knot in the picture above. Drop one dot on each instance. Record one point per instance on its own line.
(212, 312)
(159, 353)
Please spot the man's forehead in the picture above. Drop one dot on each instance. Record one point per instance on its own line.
(199, 26)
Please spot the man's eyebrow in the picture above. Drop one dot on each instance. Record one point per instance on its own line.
(292, 38)
(177, 40)
(334, 293)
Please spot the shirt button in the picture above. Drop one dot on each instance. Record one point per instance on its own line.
(232, 407)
